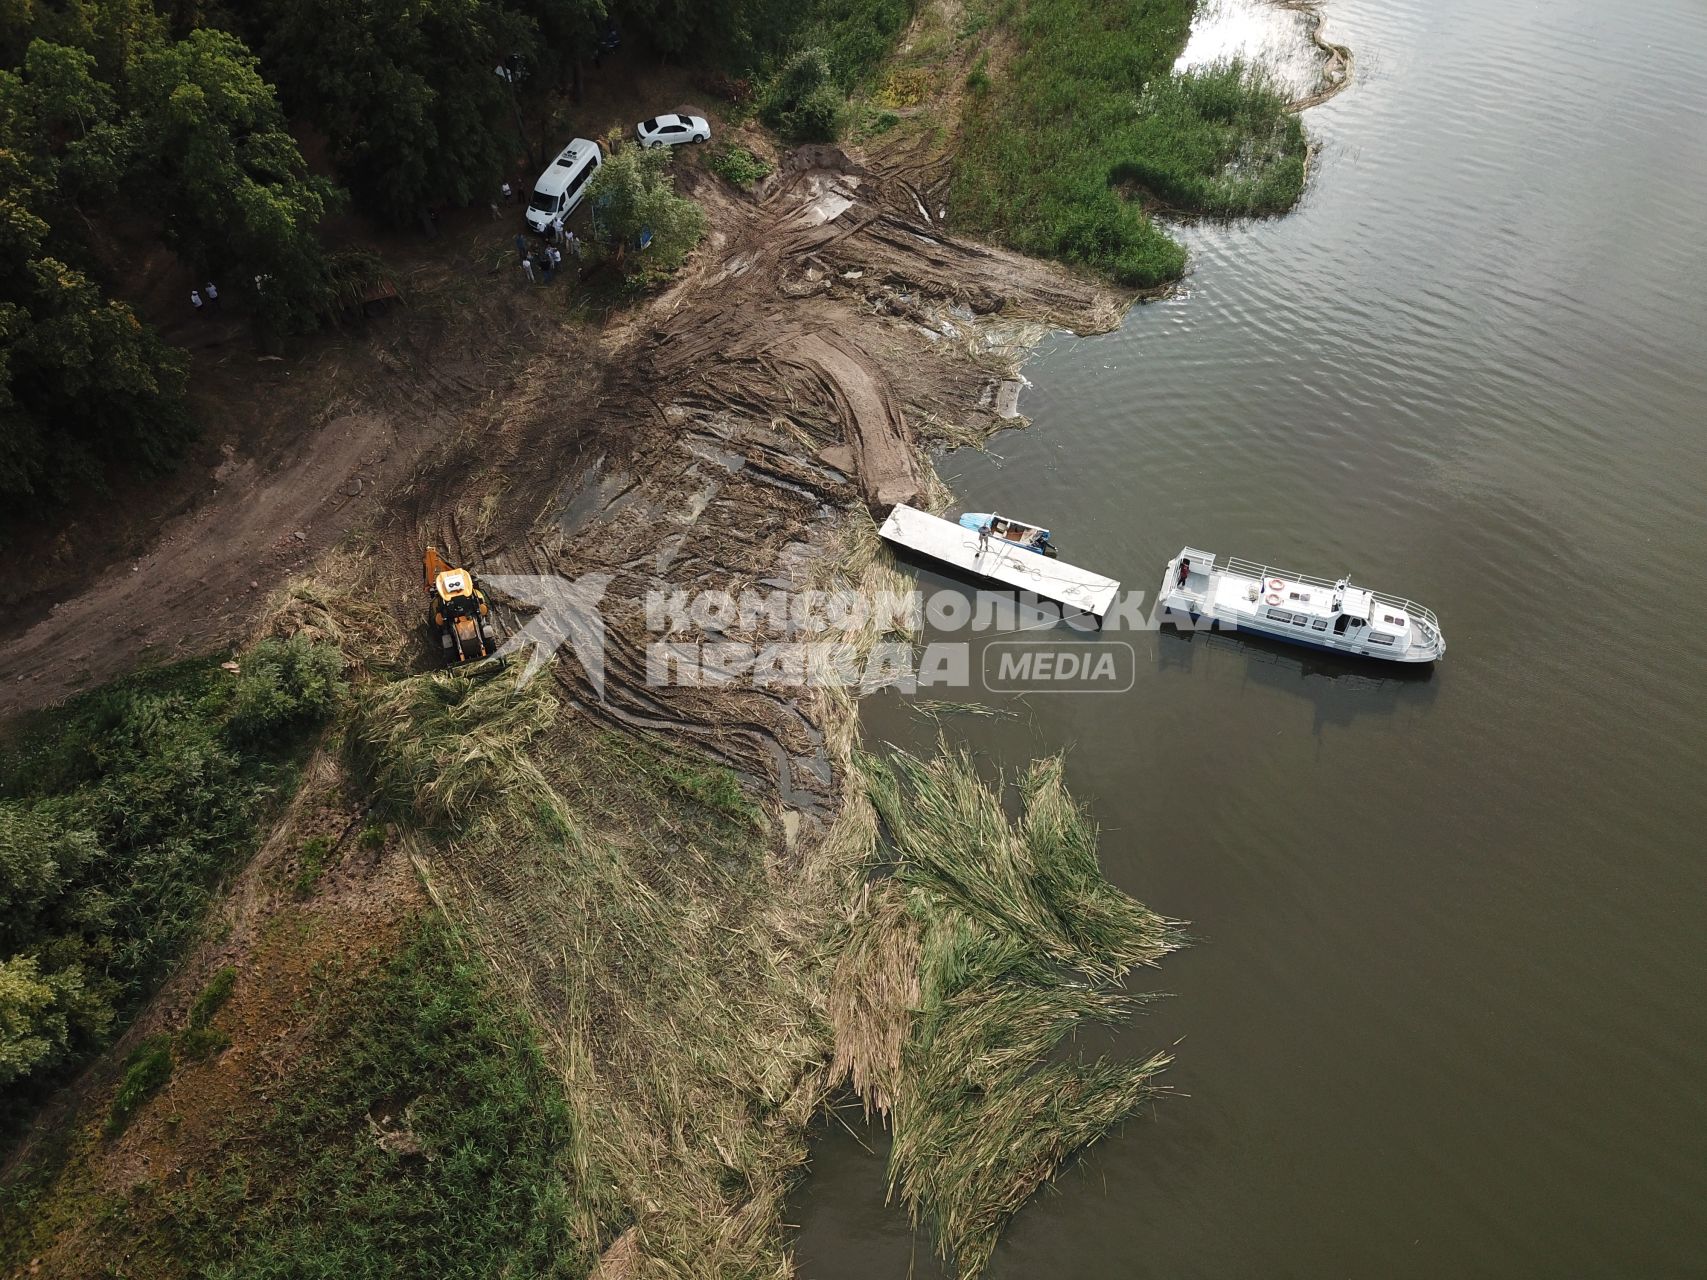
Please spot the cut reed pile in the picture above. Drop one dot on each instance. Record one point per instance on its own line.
(989, 943)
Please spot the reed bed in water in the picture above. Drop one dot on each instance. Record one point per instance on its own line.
(1069, 142)
(1019, 943)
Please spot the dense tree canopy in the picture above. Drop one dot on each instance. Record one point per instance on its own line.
(156, 112)
(186, 135)
(408, 91)
(82, 382)
(207, 143)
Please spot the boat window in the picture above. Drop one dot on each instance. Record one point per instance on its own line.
(1380, 639)
(1299, 619)
(1280, 615)
(1320, 624)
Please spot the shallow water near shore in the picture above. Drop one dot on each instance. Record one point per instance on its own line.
(1443, 1014)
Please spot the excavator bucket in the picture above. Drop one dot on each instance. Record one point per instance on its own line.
(434, 564)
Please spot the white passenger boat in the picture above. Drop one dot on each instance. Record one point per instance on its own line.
(1299, 609)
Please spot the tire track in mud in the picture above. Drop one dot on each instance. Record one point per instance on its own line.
(768, 397)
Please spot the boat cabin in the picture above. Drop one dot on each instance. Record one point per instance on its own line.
(1305, 610)
(990, 525)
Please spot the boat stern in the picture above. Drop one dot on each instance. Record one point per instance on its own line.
(1187, 592)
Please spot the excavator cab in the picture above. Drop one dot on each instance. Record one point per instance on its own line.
(457, 611)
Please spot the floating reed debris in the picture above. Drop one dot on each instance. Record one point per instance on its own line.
(988, 944)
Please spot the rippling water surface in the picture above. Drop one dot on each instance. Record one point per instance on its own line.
(1445, 1014)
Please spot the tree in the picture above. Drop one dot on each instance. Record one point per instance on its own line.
(209, 146)
(405, 89)
(803, 101)
(83, 383)
(40, 854)
(632, 196)
(42, 1016)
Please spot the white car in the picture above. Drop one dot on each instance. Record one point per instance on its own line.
(672, 131)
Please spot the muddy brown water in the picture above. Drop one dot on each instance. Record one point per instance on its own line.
(1445, 1012)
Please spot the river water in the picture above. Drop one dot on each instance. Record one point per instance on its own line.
(1446, 1008)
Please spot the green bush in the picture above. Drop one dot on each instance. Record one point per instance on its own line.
(148, 1067)
(118, 815)
(802, 101)
(739, 165)
(283, 683)
(631, 194)
(801, 74)
(818, 116)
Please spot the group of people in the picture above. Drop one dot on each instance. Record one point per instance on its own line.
(206, 298)
(540, 265)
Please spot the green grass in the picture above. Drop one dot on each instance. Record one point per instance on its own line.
(312, 857)
(196, 1044)
(145, 1071)
(1086, 121)
(427, 1139)
(213, 996)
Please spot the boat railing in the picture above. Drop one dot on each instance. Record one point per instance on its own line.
(1261, 572)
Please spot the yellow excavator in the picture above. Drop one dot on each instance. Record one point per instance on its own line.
(457, 611)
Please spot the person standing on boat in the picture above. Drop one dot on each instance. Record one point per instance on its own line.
(1184, 571)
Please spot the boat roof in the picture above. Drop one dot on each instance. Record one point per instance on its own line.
(1307, 594)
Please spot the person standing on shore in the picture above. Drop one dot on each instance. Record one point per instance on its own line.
(196, 300)
(212, 295)
(527, 268)
(508, 192)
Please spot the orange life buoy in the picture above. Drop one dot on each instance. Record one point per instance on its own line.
(1273, 597)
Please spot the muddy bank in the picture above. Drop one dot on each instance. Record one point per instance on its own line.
(785, 385)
